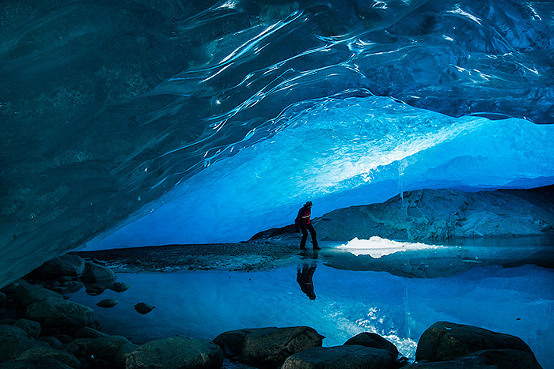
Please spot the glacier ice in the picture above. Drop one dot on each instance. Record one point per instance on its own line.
(341, 153)
(106, 106)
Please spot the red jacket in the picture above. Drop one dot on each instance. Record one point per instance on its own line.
(303, 216)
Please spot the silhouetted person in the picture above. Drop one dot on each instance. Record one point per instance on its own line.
(303, 222)
(304, 277)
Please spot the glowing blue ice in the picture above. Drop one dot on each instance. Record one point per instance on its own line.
(341, 153)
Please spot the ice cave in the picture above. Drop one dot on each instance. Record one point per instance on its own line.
(173, 142)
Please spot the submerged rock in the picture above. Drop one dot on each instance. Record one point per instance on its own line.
(267, 347)
(119, 286)
(446, 341)
(368, 339)
(176, 353)
(65, 265)
(144, 308)
(107, 303)
(64, 315)
(341, 357)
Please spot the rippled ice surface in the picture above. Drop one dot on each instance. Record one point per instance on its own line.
(517, 301)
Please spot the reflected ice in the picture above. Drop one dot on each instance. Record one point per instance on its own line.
(377, 247)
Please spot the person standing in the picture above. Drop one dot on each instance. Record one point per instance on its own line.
(303, 222)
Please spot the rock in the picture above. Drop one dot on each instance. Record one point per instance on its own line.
(107, 303)
(7, 321)
(341, 357)
(267, 347)
(65, 265)
(69, 287)
(64, 338)
(119, 286)
(369, 339)
(176, 352)
(64, 315)
(13, 342)
(486, 359)
(52, 342)
(3, 299)
(446, 341)
(99, 274)
(34, 364)
(88, 332)
(31, 327)
(107, 348)
(121, 355)
(94, 289)
(28, 293)
(44, 352)
(83, 344)
(144, 308)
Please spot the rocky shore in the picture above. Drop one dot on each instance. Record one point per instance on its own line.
(438, 215)
(40, 327)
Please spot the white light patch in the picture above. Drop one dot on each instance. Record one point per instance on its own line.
(377, 247)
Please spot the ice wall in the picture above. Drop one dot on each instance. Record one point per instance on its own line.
(106, 106)
(341, 153)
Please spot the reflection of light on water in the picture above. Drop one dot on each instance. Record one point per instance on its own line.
(377, 247)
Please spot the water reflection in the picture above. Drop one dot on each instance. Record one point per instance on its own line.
(305, 273)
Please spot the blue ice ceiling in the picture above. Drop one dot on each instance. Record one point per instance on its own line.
(224, 116)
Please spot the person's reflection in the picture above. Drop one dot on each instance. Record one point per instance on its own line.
(304, 277)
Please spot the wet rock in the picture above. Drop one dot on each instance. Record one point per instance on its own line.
(107, 348)
(28, 293)
(95, 289)
(47, 352)
(107, 303)
(341, 357)
(486, 359)
(98, 274)
(119, 286)
(369, 339)
(52, 342)
(69, 287)
(31, 327)
(176, 352)
(34, 364)
(13, 342)
(88, 332)
(268, 347)
(144, 308)
(64, 315)
(446, 341)
(65, 265)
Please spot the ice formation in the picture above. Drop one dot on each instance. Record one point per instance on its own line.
(230, 113)
(377, 247)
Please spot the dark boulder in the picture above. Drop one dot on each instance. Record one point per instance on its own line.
(67, 316)
(28, 293)
(341, 357)
(486, 359)
(47, 352)
(107, 348)
(107, 303)
(144, 308)
(34, 364)
(98, 274)
(31, 327)
(65, 265)
(267, 347)
(52, 342)
(369, 339)
(176, 353)
(446, 341)
(13, 342)
(119, 286)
